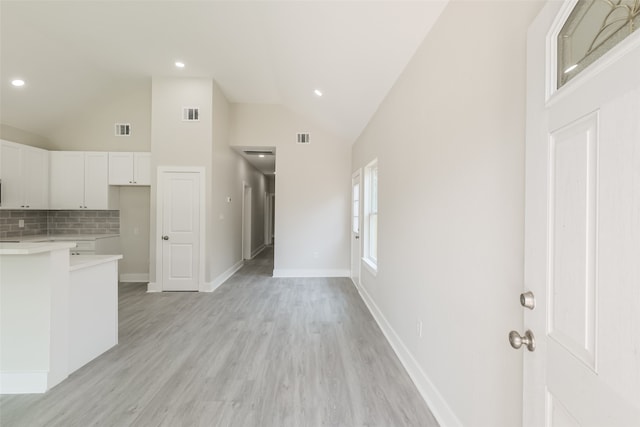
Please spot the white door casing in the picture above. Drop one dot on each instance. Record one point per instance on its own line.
(356, 219)
(582, 235)
(180, 248)
(246, 222)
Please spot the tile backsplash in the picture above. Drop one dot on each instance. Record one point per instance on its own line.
(58, 222)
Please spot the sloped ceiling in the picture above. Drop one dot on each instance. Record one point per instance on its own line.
(70, 53)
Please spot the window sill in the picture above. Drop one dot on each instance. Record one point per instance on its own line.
(373, 268)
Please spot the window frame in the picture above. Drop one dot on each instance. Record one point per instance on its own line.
(370, 216)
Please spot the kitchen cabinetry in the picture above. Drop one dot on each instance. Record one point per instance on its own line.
(128, 168)
(80, 180)
(24, 173)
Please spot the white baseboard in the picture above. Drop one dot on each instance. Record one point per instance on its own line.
(23, 382)
(438, 405)
(215, 284)
(311, 273)
(257, 251)
(134, 277)
(153, 287)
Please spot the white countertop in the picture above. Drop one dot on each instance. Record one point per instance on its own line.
(57, 237)
(77, 262)
(28, 248)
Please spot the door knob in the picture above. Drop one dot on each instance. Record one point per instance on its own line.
(517, 341)
(165, 237)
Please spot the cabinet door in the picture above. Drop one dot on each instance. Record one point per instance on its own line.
(96, 180)
(142, 168)
(66, 179)
(11, 175)
(121, 169)
(35, 178)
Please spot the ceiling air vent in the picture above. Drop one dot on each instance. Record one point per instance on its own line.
(190, 114)
(303, 138)
(123, 129)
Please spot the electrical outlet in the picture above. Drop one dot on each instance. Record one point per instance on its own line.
(21, 223)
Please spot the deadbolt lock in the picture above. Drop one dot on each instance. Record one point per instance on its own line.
(527, 300)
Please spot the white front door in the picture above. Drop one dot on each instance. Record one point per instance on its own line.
(582, 235)
(355, 228)
(181, 231)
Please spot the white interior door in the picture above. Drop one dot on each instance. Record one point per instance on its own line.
(181, 231)
(356, 246)
(582, 235)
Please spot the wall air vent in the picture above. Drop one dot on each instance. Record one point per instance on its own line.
(123, 129)
(303, 138)
(190, 114)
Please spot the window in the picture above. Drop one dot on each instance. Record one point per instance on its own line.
(355, 209)
(592, 29)
(371, 215)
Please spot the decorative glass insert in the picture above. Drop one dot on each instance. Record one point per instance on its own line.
(592, 29)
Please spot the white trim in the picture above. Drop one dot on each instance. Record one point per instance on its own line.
(371, 267)
(356, 242)
(157, 286)
(23, 382)
(257, 251)
(436, 403)
(134, 277)
(312, 273)
(366, 215)
(223, 277)
(153, 287)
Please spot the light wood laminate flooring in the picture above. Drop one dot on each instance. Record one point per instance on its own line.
(259, 351)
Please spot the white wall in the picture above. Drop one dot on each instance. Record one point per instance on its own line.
(134, 233)
(93, 130)
(449, 138)
(9, 133)
(179, 143)
(229, 173)
(205, 144)
(312, 189)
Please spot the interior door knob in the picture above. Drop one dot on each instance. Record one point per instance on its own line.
(165, 237)
(517, 341)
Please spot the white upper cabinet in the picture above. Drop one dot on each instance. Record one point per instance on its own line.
(79, 180)
(128, 168)
(24, 172)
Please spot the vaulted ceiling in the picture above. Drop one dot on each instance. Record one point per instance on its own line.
(70, 53)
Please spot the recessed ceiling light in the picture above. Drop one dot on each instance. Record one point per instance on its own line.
(317, 92)
(179, 64)
(17, 82)
(261, 155)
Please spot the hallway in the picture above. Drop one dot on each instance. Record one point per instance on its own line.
(259, 351)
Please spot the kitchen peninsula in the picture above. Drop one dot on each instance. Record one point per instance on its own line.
(57, 312)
